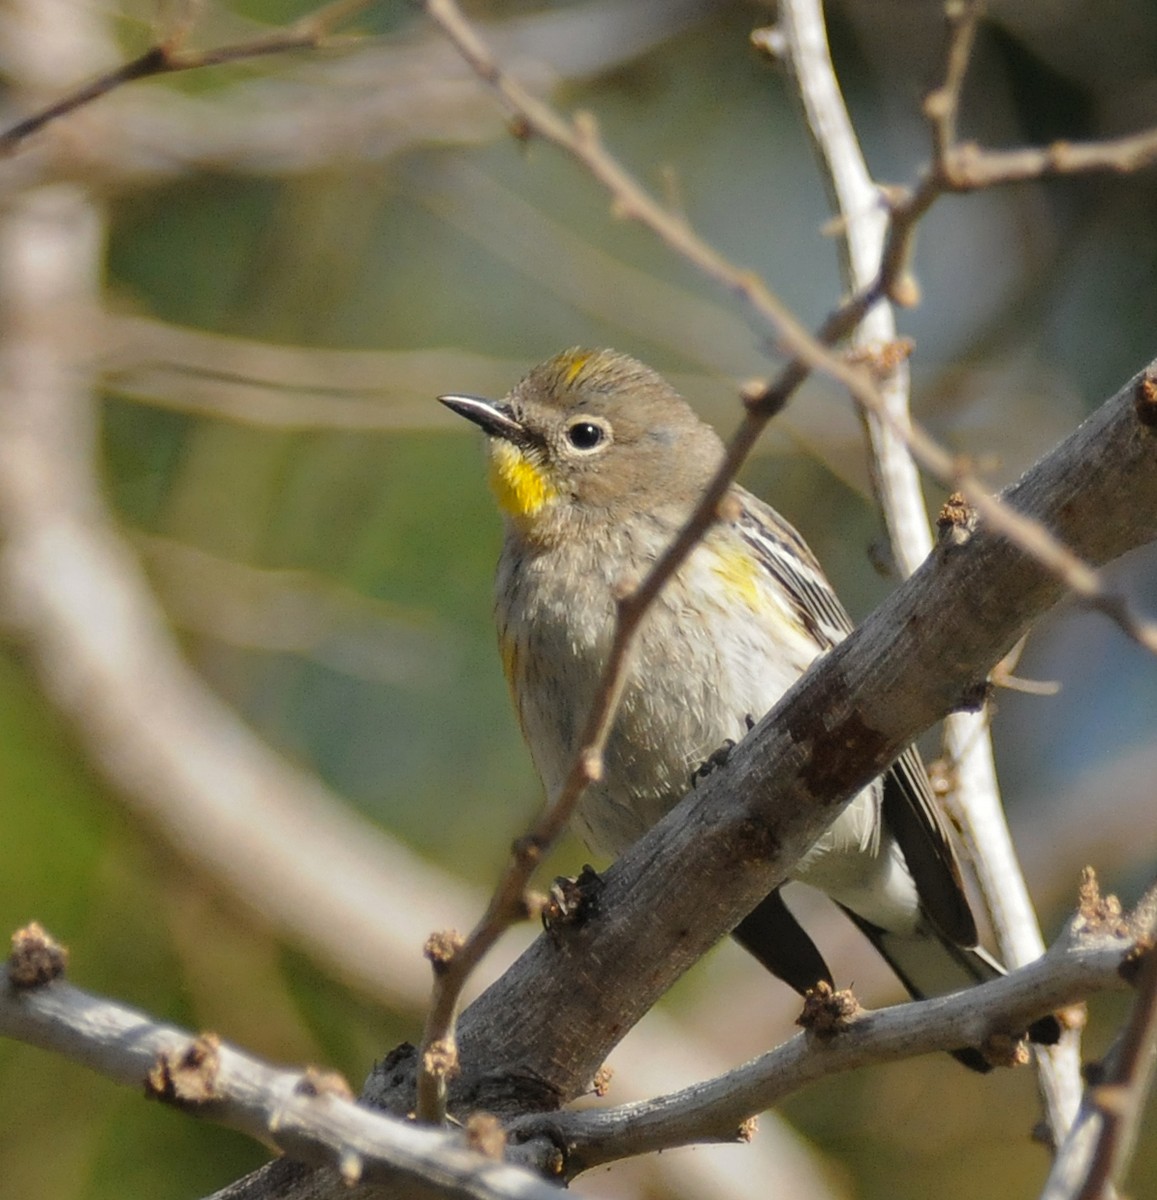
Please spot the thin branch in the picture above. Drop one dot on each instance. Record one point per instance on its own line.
(368, 105)
(310, 1115)
(1120, 1093)
(958, 168)
(1094, 1156)
(969, 168)
(975, 791)
(1085, 960)
(580, 139)
(862, 220)
(167, 57)
(942, 105)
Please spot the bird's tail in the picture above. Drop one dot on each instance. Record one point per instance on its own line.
(927, 963)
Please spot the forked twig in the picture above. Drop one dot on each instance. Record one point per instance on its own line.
(168, 56)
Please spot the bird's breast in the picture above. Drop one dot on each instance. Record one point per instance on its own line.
(715, 649)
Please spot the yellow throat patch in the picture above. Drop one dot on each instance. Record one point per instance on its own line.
(519, 486)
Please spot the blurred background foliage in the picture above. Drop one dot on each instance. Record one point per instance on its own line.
(334, 583)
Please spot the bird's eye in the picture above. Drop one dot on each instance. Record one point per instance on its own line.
(585, 435)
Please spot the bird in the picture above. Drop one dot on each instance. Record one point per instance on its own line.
(596, 462)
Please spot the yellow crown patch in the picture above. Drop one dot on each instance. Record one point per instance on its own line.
(572, 366)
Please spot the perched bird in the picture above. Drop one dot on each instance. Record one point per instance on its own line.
(596, 463)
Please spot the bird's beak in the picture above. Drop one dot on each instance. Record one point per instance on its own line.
(492, 417)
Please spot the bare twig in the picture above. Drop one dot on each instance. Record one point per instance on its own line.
(308, 1114)
(1093, 1158)
(1083, 961)
(580, 139)
(976, 793)
(969, 168)
(863, 221)
(942, 105)
(167, 57)
(965, 167)
(1120, 1094)
(311, 1115)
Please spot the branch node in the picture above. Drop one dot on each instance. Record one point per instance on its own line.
(904, 290)
(938, 104)
(882, 358)
(186, 1078)
(441, 948)
(728, 508)
(527, 849)
(36, 958)
(520, 128)
(974, 697)
(764, 399)
(770, 42)
(1072, 1017)
(1131, 964)
(572, 902)
(623, 589)
(1112, 1099)
(485, 1135)
(586, 129)
(1005, 1050)
(316, 1081)
(1097, 913)
(1145, 400)
(532, 904)
(956, 521)
(591, 764)
(752, 392)
(826, 1012)
(350, 1166)
(440, 1060)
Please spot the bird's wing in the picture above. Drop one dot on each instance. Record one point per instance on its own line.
(914, 817)
(910, 809)
(787, 558)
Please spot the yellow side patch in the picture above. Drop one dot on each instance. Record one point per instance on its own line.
(740, 575)
(576, 364)
(519, 486)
